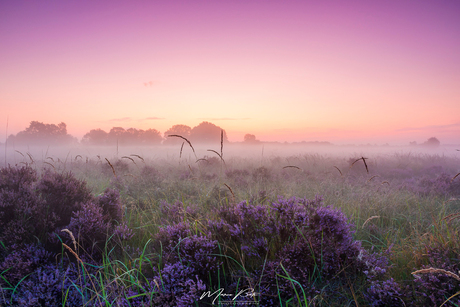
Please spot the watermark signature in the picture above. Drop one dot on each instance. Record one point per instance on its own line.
(230, 298)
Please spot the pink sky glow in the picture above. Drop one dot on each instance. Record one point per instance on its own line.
(338, 71)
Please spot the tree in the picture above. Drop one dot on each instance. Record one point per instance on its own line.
(432, 142)
(95, 137)
(207, 133)
(150, 137)
(119, 135)
(116, 136)
(250, 139)
(39, 133)
(181, 130)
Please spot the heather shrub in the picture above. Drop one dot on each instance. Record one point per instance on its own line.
(13, 178)
(53, 284)
(62, 194)
(188, 259)
(243, 227)
(307, 246)
(386, 293)
(38, 208)
(319, 252)
(111, 206)
(177, 285)
(441, 185)
(18, 204)
(180, 245)
(32, 207)
(21, 262)
(20, 212)
(433, 289)
(96, 222)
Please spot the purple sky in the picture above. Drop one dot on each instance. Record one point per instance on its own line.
(339, 71)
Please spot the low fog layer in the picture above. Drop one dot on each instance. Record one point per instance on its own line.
(262, 151)
(45, 142)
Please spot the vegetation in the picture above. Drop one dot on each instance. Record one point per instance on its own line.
(305, 230)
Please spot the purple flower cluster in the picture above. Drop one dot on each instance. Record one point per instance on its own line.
(386, 293)
(295, 245)
(177, 285)
(31, 277)
(441, 185)
(35, 208)
(435, 288)
(188, 259)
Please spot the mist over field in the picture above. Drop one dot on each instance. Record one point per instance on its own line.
(263, 151)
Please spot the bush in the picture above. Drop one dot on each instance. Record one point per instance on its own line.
(295, 245)
(38, 208)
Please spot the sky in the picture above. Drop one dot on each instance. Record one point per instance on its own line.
(339, 71)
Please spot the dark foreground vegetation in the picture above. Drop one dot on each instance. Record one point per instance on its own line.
(242, 232)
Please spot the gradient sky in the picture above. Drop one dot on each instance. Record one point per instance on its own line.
(339, 71)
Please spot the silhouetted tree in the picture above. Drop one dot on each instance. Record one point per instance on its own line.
(181, 130)
(150, 137)
(250, 139)
(95, 137)
(43, 134)
(432, 142)
(131, 136)
(116, 135)
(207, 133)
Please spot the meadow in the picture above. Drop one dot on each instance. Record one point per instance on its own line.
(249, 226)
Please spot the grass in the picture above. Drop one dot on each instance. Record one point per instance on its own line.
(386, 215)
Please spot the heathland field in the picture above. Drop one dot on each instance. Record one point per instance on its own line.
(248, 226)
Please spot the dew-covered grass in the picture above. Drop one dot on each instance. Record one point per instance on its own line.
(300, 230)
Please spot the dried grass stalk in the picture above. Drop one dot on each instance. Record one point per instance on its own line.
(292, 166)
(113, 169)
(180, 136)
(339, 170)
(451, 217)
(49, 164)
(19, 152)
(72, 237)
(217, 154)
(373, 178)
(72, 252)
(125, 157)
(433, 271)
(365, 164)
(231, 191)
(139, 157)
(221, 142)
(370, 219)
(181, 148)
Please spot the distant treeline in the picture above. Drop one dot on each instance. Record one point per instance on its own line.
(39, 133)
(204, 133)
(50, 134)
